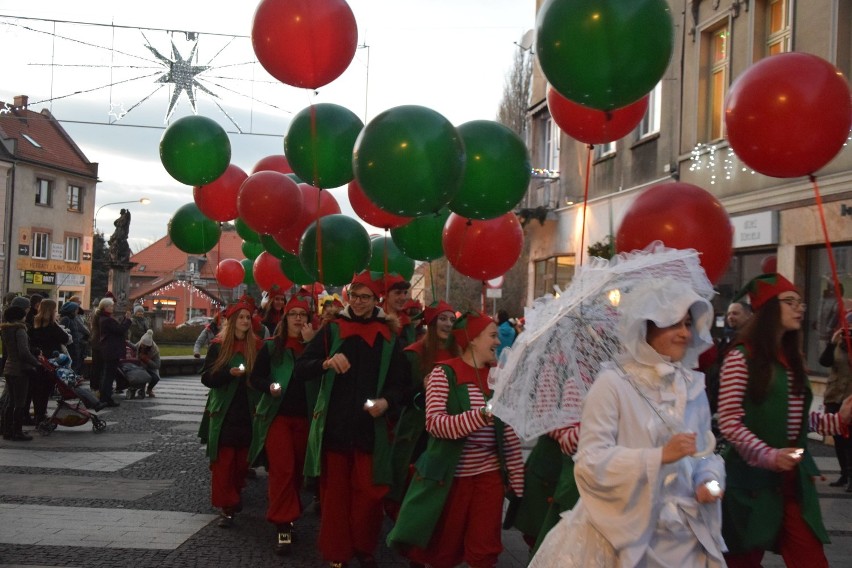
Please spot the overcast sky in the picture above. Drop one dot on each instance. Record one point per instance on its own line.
(449, 55)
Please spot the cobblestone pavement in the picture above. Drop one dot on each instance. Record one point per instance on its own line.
(138, 495)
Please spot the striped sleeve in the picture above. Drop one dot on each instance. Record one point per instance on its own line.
(514, 461)
(828, 424)
(732, 387)
(438, 422)
(567, 437)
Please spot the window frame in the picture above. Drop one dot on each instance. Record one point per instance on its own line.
(546, 273)
(68, 240)
(79, 198)
(44, 186)
(37, 236)
(715, 78)
(651, 123)
(784, 35)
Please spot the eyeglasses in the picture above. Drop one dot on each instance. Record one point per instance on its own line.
(297, 314)
(361, 297)
(794, 303)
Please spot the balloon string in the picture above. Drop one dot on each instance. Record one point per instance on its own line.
(484, 299)
(385, 273)
(585, 201)
(432, 281)
(319, 238)
(841, 308)
(314, 147)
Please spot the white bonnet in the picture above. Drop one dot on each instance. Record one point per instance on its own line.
(148, 338)
(663, 301)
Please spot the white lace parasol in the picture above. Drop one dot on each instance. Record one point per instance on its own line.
(542, 380)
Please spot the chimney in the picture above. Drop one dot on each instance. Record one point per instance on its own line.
(21, 101)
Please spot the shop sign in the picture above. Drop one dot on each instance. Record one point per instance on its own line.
(756, 229)
(41, 278)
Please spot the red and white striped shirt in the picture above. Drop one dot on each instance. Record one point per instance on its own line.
(732, 391)
(568, 438)
(480, 448)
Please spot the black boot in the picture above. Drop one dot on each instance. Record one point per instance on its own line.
(19, 436)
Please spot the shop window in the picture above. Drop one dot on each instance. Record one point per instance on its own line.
(821, 315)
(557, 270)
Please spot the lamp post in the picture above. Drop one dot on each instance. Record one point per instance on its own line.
(143, 201)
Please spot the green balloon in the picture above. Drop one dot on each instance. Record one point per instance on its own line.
(409, 160)
(421, 239)
(248, 267)
(396, 261)
(192, 232)
(496, 172)
(319, 144)
(345, 248)
(292, 268)
(604, 54)
(272, 247)
(251, 250)
(247, 233)
(195, 150)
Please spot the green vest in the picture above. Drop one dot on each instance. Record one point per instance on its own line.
(434, 472)
(218, 401)
(267, 407)
(753, 506)
(381, 444)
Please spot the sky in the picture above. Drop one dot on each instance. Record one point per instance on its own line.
(449, 55)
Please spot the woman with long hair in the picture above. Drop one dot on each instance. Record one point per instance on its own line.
(281, 420)
(48, 337)
(226, 427)
(771, 502)
(410, 436)
(273, 311)
(453, 508)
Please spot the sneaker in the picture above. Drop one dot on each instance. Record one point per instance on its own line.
(841, 481)
(285, 539)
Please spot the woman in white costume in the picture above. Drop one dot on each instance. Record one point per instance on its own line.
(645, 498)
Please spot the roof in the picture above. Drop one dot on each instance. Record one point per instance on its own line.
(165, 281)
(40, 139)
(162, 258)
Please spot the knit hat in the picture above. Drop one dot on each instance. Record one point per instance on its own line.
(148, 338)
(138, 309)
(69, 308)
(469, 326)
(365, 278)
(21, 302)
(297, 302)
(14, 313)
(434, 310)
(246, 302)
(763, 288)
(109, 295)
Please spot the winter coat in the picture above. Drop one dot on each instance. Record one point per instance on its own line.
(112, 334)
(49, 339)
(138, 327)
(16, 348)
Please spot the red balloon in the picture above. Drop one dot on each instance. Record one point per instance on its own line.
(372, 213)
(316, 203)
(682, 216)
(218, 199)
(267, 272)
(593, 126)
(275, 163)
(769, 264)
(230, 273)
(304, 43)
(269, 201)
(483, 249)
(788, 115)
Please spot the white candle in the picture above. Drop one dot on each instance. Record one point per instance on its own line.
(241, 367)
(714, 488)
(797, 453)
(369, 403)
(275, 388)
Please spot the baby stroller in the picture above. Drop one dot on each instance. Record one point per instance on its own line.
(74, 403)
(134, 372)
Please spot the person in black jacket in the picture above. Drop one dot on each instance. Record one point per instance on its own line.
(47, 337)
(111, 341)
(19, 362)
(348, 445)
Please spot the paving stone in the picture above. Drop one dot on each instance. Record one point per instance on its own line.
(79, 487)
(180, 417)
(68, 439)
(176, 408)
(90, 461)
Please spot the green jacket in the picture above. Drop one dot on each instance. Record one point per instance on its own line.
(753, 506)
(381, 445)
(543, 471)
(268, 405)
(434, 472)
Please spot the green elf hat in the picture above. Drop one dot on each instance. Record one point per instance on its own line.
(763, 288)
(469, 326)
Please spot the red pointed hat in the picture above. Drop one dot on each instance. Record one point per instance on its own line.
(763, 288)
(469, 326)
(297, 302)
(434, 309)
(393, 281)
(245, 302)
(365, 278)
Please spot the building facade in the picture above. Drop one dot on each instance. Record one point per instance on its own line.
(682, 137)
(49, 198)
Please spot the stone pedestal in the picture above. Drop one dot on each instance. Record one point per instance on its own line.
(119, 284)
(158, 317)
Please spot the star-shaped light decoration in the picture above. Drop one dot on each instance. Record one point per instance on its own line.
(182, 73)
(117, 111)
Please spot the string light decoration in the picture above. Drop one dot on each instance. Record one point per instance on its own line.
(182, 285)
(544, 173)
(711, 164)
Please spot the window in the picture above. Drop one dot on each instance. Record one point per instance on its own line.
(557, 270)
(651, 121)
(715, 87)
(41, 245)
(74, 193)
(547, 152)
(604, 150)
(778, 32)
(821, 315)
(72, 249)
(43, 190)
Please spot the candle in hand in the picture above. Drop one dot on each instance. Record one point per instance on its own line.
(369, 404)
(241, 367)
(714, 488)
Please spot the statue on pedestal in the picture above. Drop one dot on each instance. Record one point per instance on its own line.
(119, 250)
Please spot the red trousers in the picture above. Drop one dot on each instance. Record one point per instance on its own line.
(228, 477)
(352, 511)
(799, 547)
(286, 443)
(469, 527)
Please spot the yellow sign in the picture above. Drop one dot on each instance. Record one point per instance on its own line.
(25, 263)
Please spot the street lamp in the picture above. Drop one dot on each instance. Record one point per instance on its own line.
(143, 201)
